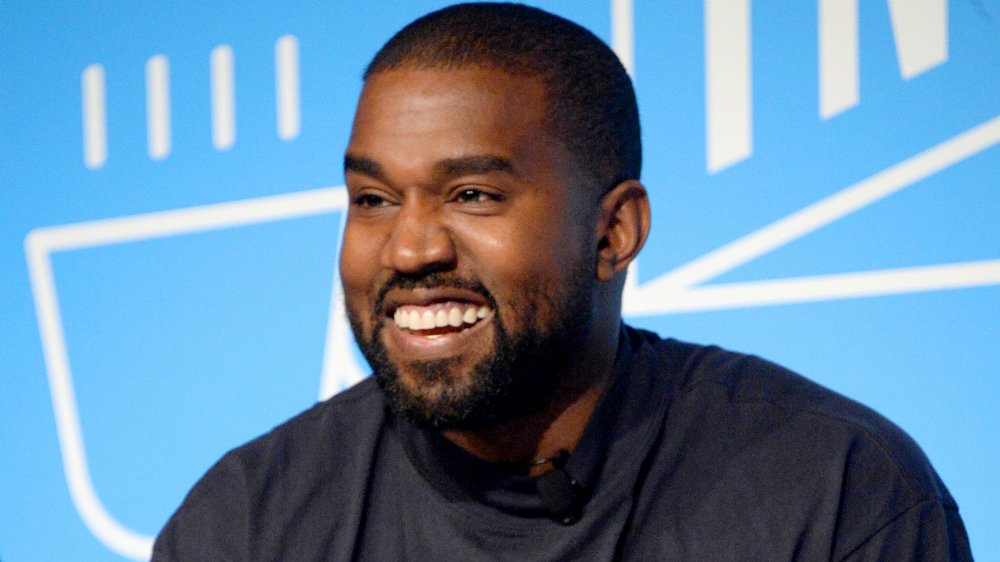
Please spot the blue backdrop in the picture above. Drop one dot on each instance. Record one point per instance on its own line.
(823, 176)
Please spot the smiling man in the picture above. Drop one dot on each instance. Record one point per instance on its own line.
(495, 205)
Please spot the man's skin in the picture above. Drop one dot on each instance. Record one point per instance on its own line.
(454, 172)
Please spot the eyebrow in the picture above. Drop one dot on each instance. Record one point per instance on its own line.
(449, 167)
(364, 166)
(473, 164)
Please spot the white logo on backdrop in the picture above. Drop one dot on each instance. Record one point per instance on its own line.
(920, 36)
(222, 77)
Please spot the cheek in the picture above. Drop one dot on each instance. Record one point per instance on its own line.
(358, 267)
(526, 267)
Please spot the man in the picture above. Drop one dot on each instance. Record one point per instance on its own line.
(495, 204)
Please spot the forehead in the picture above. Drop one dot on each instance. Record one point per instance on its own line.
(410, 115)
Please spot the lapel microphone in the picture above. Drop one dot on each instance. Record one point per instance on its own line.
(560, 493)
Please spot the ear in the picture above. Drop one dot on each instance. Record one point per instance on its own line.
(622, 228)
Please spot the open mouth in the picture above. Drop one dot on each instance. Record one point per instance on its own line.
(439, 318)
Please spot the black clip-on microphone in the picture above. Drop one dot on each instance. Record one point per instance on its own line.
(560, 493)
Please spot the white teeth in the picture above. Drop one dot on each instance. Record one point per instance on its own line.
(470, 315)
(455, 317)
(426, 320)
(439, 315)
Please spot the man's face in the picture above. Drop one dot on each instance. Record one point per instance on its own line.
(468, 256)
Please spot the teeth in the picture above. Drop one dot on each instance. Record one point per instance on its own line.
(454, 317)
(470, 316)
(427, 320)
(453, 314)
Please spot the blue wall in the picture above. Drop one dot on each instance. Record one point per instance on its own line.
(827, 198)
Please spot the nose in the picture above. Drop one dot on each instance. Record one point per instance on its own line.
(419, 243)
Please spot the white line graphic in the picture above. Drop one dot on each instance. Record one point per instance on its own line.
(728, 119)
(95, 121)
(39, 246)
(920, 31)
(158, 106)
(623, 33)
(839, 78)
(286, 66)
(223, 97)
(101, 523)
(818, 288)
(660, 295)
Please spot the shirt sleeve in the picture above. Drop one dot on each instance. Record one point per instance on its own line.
(928, 531)
(213, 521)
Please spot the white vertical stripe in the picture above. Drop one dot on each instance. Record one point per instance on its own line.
(95, 123)
(286, 62)
(727, 82)
(223, 98)
(158, 106)
(838, 56)
(623, 33)
(920, 30)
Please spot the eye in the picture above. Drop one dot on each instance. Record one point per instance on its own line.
(369, 201)
(475, 195)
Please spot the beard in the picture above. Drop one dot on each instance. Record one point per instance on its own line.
(522, 375)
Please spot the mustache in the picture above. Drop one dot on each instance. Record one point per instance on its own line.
(435, 280)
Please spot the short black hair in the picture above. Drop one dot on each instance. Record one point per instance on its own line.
(591, 103)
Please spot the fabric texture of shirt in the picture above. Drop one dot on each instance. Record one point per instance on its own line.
(694, 453)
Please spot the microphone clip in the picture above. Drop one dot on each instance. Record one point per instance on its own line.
(561, 494)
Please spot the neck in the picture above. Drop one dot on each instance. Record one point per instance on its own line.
(558, 426)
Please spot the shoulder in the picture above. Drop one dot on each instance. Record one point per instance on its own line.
(321, 442)
(747, 440)
(784, 410)
(343, 417)
(314, 462)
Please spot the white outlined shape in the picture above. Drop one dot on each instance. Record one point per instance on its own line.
(679, 290)
(41, 243)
